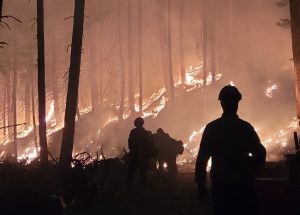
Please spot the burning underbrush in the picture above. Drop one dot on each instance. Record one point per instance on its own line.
(184, 119)
(100, 150)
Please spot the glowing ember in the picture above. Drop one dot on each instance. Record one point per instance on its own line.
(208, 165)
(270, 89)
(165, 165)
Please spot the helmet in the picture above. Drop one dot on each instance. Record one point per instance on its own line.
(139, 122)
(230, 93)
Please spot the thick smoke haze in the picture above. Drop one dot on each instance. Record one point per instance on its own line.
(250, 49)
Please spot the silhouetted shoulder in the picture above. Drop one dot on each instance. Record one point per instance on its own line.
(213, 123)
(245, 123)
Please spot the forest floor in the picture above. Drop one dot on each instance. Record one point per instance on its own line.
(180, 197)
(159, 197)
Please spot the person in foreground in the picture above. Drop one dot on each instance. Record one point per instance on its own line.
(236, 153)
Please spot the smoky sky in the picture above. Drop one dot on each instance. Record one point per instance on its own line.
(251, 49)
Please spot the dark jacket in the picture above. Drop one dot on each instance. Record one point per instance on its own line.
(140, 144)
(235, 149)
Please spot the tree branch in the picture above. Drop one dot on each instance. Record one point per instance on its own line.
(9, 16)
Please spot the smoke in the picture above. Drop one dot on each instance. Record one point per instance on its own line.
(250, 50)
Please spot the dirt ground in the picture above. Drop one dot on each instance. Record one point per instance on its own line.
(180, 197)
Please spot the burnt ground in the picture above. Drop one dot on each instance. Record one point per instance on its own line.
(160, 197)
(180, 197)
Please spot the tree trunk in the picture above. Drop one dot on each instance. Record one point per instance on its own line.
(161, 23)
(181, 44)
(204, 42)
(33, 111)
(1, 7)
(14, 107)
(101, 42)
(170, 62)
(140, 57)
(122, 97)
(295, 28)
(73, 85)
(130, 72)
(41, 83)
(27, 99)
(54, 84)
(93, 74)
(212, 34)
(9, 106)
(4, 107)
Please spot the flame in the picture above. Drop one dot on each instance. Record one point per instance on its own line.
(25, 132)
(151, 107)
(114, 119)
(50, 112)
(165, 165)
(270, 89)
(30, 154)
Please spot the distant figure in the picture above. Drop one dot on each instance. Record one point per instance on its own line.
(141, 148)
(236, 154)
(167, 151)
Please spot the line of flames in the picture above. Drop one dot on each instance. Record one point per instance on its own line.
(160, 99)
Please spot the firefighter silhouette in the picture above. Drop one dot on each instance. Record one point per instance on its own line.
(141, 149)
(167, 149)
(236, 154)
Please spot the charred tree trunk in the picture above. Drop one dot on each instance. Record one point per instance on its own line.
(1, 7)
(130, 72)
(181, 44)
(27, 99)
(122, 97)
(170, 61)
(140, 57)
(295, 28)
(73, 85)
(33, 110)
(41, 83)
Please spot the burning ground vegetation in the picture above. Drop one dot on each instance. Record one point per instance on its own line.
(184, 119)
(100, 151)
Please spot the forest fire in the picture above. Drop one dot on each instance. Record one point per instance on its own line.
(99, 98)
(152, 107)
(153, 103)
(277, 145)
